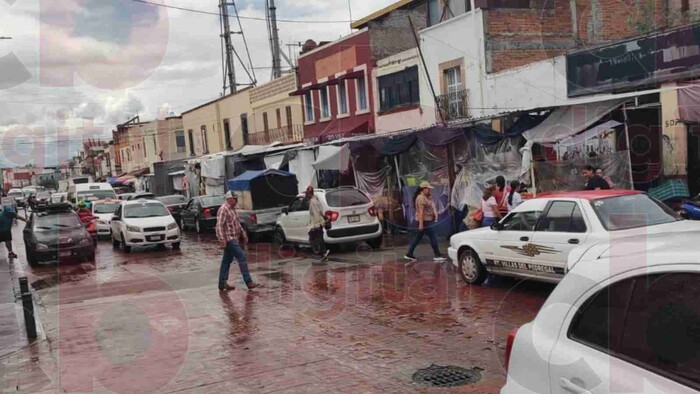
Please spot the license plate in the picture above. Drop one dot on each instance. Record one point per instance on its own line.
(64, 254)
(354, 219)
(155, 238)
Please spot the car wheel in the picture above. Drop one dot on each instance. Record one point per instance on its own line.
(160, 247)
(375, 243)
(470, 267)
(125, 247)
(176, 246)
(279, 238)
(197, 226)
(91, 258)
(182, 224)
(115, 242)
(31, 259)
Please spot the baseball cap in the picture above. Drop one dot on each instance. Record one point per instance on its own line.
(231, 194)
(425, 184)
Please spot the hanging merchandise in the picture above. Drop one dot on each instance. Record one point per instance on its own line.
(566, 175)
(302, 168)
(373, 183)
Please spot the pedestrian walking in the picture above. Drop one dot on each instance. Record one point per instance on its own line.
(317, 220)
(593, 181)
(489, 207)
(599, 172)
(514, 197)
(232, 238)
(426, 215)
(7, 218)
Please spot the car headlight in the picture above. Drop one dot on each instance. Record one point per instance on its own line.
(102, 222)
(42, 247)
(133, 229)
(172, 226)
(85, 242)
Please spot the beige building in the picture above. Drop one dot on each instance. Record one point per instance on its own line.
(132, 149)
(171, 139)
(218, 125)
(278, 116)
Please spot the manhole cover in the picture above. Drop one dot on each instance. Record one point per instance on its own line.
(446, 376)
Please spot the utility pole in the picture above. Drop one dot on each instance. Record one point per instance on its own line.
(226, 36)
(5, 38)
(274, 41)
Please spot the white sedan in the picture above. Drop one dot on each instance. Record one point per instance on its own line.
(144, 223)
(535, 239)
(625, 319)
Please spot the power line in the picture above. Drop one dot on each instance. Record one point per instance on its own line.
(242, 17)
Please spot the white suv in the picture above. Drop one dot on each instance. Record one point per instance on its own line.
(352, 214)
(625, 319)
(144, 223)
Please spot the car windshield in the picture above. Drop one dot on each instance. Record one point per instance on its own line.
(346, 198)
(58, 198)
(105, 207)
(57, 221)
(145, 210)
(633, 211)
(94, 195)
(15, 194)
(211, 201)
(171, 200)
(43, 195)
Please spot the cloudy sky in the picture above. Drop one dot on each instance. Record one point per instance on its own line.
(76, 68)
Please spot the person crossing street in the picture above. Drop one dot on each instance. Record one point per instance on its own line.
(7, 218)
(232, 238)
(316, 222)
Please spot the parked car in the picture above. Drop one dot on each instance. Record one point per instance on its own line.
(175, 203)
(624, 319)
(103, 210)
(125, 196)
(352, 214)
(144, 223)
(17, 194)
(43, 197)
(90, 192)
(200, 213)
(534, 241)
(54, 232)
(141, 196)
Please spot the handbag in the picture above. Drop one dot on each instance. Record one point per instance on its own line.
(327, 224)
(478, 215)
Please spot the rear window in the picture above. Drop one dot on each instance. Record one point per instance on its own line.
(169, 200)
(57, 221)
(107, 207)
(95, 195)
(211, 201)
(346, 198)
(633, 211)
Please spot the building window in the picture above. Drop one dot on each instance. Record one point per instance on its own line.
(279, 118)
(180, 141)
(288, 111)
(456, 96)
(190, 136)
(361, 89)
(205, 142)
(227, 134)
(398, 89)
(442, 10)
(325, 103)
(308, 106)
(342, 92)
(244, 128)
(266, 124)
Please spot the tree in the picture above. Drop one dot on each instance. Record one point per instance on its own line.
(49, 183)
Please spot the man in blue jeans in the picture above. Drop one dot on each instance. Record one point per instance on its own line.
(232, 239)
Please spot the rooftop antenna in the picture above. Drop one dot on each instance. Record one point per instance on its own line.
(229, 53)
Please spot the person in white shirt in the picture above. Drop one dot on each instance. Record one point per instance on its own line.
(514, 197)
(489, 207)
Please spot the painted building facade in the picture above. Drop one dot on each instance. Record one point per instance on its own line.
(278, 117)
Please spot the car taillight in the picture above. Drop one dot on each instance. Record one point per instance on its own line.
(372, 211)
(509, 346)
(253, 218)
(170, 209)
(332, 215)
(206, 212)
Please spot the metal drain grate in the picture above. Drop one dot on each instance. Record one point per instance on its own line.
(446, 376)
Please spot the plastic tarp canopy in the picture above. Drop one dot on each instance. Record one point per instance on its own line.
(301, 167)
(214, 167)
(689, 101)
(564, 122)
(268, 188)
(588, 134)
(331, 157)
(566, 175)
(244, 181)
(274, 161)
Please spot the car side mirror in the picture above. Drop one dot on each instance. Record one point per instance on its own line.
(496, 226)
(115, 218)
(285, 210)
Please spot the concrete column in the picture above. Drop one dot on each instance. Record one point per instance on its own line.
(675, 135)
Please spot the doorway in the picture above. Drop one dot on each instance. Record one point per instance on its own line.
(694, 159)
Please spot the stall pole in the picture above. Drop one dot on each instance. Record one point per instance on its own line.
(627, 139)
(451, 175)
(532, 178)
(398, 182)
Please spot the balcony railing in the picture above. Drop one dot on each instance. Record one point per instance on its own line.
(453, 106)
(285, 135)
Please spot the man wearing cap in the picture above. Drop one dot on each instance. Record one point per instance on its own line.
(231, 236)
(316, 220)
(426, 215)
(7, 218)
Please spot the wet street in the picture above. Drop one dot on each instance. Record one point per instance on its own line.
(154, 321)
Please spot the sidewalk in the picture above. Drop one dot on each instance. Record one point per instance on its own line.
(12, 332)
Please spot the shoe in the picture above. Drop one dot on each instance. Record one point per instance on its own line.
(12, 255)
(252, 285)
(410, 258)
(439, 259)
(224, 286)
(324, 257)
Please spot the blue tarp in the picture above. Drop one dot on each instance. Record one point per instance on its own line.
(244, 181)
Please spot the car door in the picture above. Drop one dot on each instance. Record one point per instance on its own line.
(508, 250)
(297, 220)
(638, 334)
(561, 229)
(186, 213)
(117, 223)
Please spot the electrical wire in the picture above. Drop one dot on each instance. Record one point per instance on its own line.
(242, 17)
